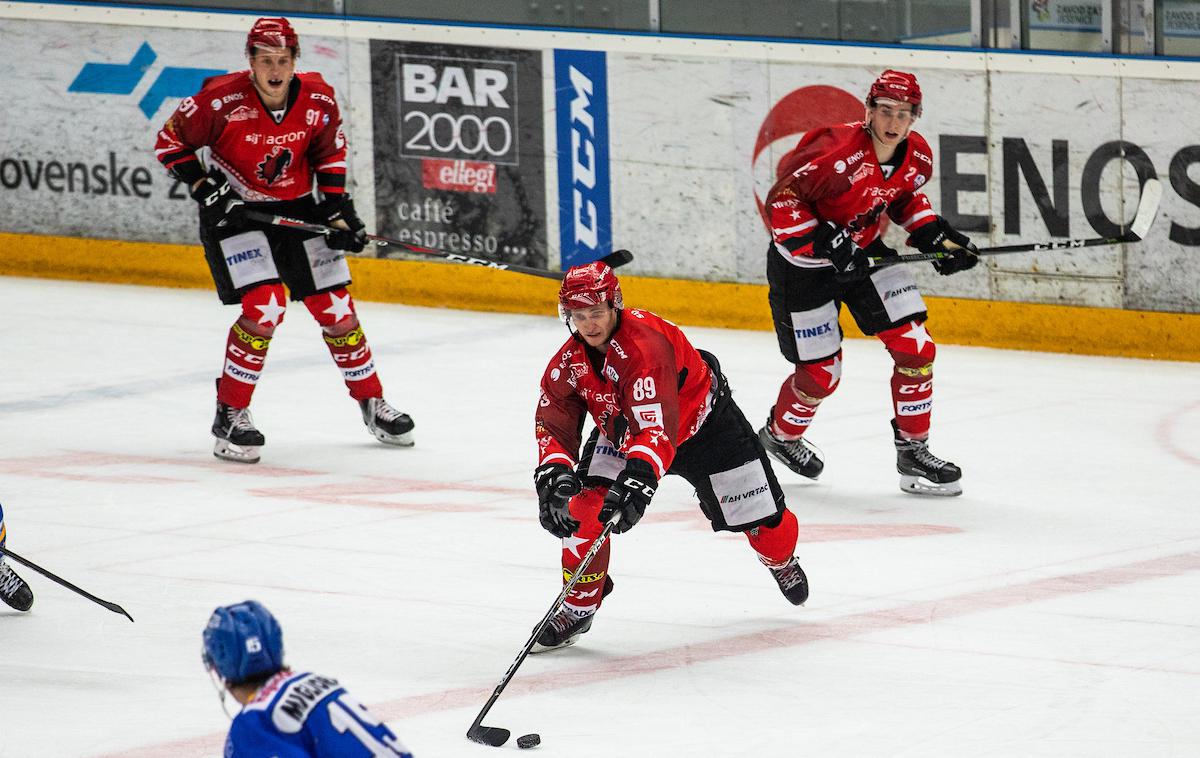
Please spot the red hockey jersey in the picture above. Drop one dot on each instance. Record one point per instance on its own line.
(264, 161)
(833, 175)
(651, 376)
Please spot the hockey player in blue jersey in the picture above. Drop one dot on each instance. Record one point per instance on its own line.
(13, 589)
(285, 714)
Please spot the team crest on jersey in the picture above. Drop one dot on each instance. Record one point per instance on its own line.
(275, 165)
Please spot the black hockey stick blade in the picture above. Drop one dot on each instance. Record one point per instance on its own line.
(488, 735)
(614, 259)
(1147, 210)
(54, 578)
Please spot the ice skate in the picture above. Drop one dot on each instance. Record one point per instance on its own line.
(389, 425)
(798, 455)
(791, 580)
(236, 438)
(922, 472)
(13, 589)
(564, 630)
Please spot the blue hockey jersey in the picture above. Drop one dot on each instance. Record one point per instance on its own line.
(308, 716)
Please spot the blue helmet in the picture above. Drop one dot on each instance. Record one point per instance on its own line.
(243, 641)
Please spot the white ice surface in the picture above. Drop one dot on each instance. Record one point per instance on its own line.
(1052, 610)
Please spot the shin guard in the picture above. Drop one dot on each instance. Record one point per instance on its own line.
(800, 395)
(913, 351)
(347, 344)
(775, 545)
(246, 345)
(591, 588)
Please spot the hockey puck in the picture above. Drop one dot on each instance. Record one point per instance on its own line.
(526, 741)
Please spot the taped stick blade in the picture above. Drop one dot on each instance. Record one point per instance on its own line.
(1147, 208)
(617, 258)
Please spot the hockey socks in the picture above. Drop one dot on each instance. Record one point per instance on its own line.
(245, 354)
(592, 587)
(801, 393)
(913, 351)
(775, 544)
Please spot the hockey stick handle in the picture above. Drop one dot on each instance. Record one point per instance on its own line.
(55, 578)
(1029, 247)
(614, 259)
(537, 630)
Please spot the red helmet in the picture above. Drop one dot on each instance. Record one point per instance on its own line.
(900, 86)
(588, 285)
(272, 32)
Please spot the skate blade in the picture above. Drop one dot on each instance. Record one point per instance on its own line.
(916, 485)
(226, 450)
(399, 440)
(568, 642)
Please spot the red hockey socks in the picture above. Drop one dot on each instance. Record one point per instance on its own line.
(800, 395)
(775, 545)
(913, 350)
(588, 593)
(245, 353)
(334, 311)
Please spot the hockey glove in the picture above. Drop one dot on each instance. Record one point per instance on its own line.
(629, 495)
(220, 204)
(335, 209)
(939, 237)
(556, 485)
(833, 243)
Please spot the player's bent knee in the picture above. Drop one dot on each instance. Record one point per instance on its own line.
(263, 308)
(585, 508)
(817, 381)
(910, 345)
(333, 310)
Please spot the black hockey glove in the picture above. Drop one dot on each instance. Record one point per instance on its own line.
(629, 495)
(939, 237)
(556, 484)
(220, 204)
(333, 209)
(833, 243)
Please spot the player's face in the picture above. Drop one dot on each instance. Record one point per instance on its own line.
(890, 123)
(595, 324)
(272, 70)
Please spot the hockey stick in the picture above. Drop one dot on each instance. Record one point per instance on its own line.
(615, 259)
(495, 735)
(26, 562)
(1147, 210)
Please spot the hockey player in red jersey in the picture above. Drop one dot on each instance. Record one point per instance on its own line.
(273, 134)
(825, 213)
(660, 406)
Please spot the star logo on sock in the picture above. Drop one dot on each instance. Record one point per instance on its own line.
(339, 307)
(834, 370)
(918, 335)
(572, 543)
(271, 312)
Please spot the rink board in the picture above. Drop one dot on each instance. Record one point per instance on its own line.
(1025, 326)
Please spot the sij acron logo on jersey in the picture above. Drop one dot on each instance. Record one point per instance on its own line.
(275, 165)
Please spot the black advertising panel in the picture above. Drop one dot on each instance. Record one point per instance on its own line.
(459, 156)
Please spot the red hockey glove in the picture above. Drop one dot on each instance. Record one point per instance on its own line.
(220, 204)
(629, 495)
(833, 243)
(939, 237)
(341, 208)
(556, 484)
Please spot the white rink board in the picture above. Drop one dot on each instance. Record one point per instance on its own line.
(684, 118)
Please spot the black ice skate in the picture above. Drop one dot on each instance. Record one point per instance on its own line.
(567, 625)
(237, 439)
(13, 589)
(791, 580)
(389, 425)
(797, 455)
(922, 472)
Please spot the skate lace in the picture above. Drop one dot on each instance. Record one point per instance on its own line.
(797, 450)
(788, 575)
(385, 412)
(239, 420)
(921, 452)
(9, 581)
